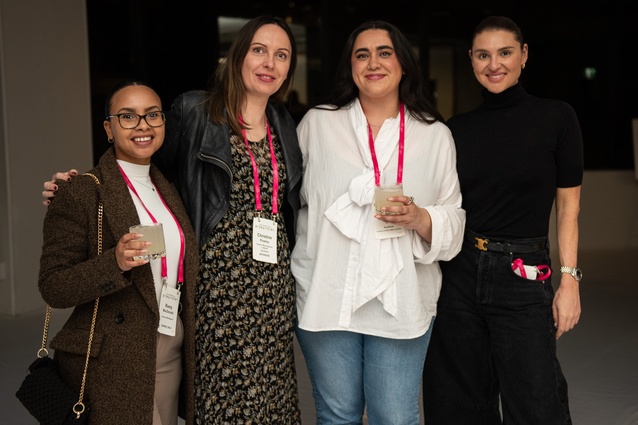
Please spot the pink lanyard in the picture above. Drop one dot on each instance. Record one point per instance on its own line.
(375, 163)
(180, 270)
(275, 171)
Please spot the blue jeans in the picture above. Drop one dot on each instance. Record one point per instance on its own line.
(351, 371)
(494, 337)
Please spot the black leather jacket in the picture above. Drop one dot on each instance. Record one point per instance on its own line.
(196, 156)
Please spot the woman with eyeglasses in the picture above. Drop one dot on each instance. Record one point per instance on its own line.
(140, 353)
(233, 155)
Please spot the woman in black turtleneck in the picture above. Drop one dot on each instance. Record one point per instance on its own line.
(494, 339)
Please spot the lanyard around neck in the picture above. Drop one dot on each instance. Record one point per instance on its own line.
(180, 270)
(275, 171)
(375, 162)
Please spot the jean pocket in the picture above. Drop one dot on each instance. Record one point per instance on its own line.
(531, 267)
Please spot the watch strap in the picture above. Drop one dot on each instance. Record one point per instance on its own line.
(574, 271)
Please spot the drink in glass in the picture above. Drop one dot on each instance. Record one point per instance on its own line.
(381, 195)
(153, 233)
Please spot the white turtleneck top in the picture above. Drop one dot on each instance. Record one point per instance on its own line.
(141, 180)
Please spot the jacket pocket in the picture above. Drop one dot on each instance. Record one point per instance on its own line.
(76, 341)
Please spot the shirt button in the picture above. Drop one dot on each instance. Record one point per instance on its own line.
(119, 319)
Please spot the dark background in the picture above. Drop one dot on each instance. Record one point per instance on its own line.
(175, 46)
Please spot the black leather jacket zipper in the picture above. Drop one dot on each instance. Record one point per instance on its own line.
(218, 161)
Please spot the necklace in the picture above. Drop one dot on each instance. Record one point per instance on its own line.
(144, 184)
(260, 140)
(252, 139)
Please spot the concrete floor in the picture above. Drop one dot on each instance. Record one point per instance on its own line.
(599, 357)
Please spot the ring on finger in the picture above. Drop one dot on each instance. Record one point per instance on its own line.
(410, 200)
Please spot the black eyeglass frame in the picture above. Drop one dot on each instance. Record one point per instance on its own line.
(139, 119)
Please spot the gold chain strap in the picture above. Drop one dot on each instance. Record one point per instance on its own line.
(43, 352)
(79, 407)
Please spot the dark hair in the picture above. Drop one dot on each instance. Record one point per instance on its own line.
(412, 91)
(228, 93)
(495, 23)
(117, 87)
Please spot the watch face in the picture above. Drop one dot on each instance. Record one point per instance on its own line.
(578, 274)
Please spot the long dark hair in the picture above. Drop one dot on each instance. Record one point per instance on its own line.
(228, 93)
(412, 91)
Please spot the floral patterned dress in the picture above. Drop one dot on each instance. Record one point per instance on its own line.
(246, 308)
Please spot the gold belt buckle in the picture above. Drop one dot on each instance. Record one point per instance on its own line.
(481, 244)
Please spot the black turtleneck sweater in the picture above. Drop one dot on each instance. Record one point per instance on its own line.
(513, 152)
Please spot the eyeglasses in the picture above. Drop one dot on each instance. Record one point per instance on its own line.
(129, 120)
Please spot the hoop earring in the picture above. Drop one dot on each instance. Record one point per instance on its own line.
(110, 140)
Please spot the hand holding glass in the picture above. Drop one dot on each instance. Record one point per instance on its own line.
(153, 233)
(381, 195)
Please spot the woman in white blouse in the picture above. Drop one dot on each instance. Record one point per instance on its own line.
(367, 276)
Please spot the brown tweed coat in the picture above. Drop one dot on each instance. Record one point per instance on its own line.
(121, 374)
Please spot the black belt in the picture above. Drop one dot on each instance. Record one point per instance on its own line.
(484, 243)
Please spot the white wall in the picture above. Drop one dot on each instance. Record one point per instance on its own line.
(45, 125)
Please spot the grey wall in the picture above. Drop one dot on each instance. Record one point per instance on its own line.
(608, 211)
(44, 126)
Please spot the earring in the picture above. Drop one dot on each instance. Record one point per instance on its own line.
(523, 66)
(111, 140)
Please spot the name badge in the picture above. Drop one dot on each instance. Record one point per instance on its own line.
(265, 240)
(169, 310)
(383, 230)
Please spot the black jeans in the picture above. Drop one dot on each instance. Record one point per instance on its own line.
(494, 336)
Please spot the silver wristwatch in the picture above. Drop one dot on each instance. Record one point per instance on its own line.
(574, 271)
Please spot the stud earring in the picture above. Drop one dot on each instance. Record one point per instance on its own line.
(523, 66)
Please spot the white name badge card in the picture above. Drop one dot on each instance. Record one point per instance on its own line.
(265, 240)
(383, 230)
(168, 309)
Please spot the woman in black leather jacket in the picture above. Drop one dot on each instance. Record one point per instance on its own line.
(245, 303)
